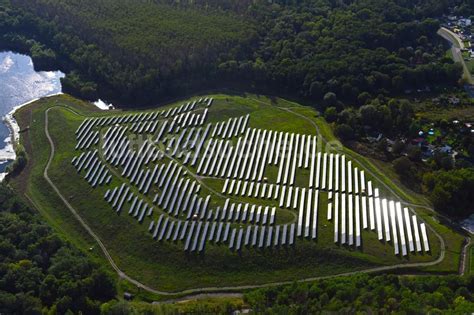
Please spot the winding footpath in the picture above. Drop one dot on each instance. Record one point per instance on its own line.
(216, 291)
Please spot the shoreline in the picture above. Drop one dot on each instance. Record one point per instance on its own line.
(8, 154)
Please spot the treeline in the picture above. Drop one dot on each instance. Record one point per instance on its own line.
(464, 7)
(389, 116)
(128, 52)
(39, 272)
(451, 190)
(364, 294)
(374, 47)
(138, 52)
(445, 180)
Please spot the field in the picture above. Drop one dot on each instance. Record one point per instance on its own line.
(164, 265)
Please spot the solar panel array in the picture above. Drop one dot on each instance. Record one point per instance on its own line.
(161, 158)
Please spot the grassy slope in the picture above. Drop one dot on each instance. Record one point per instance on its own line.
(165, 266)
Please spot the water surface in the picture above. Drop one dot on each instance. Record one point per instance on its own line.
(20, 83)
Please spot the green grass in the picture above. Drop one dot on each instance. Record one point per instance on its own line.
(164, 265)
(470, 65)
(463, 113)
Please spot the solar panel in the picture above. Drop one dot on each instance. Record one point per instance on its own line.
(275, 151)
(255, 236)
(315, 213)
(212, 232)
(288, 159)
(417, 234)
(343, 173)
(189, 234)
(295, 157)
(393, 221)
(176, 231)
(247, 235)
(203, 237)
(272, 216)
(331, 171)
(292, 234)
(323, 178)
(163, 229)
(336, 217)
(386, 219)
(226, 233)
(409, 231)
(284, 235)
(318, 169)
(219, 232)
(276, 238)
(378, 215)
(401, 230)
(232, 238)
(350, 202)
(196, 236)
(282, 159)
(330, 206)
(269, 236)
(261, 237)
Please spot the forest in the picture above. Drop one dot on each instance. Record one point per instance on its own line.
(39, 271)
(140, 52)
(364, 294)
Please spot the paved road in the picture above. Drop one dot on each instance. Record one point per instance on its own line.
(456, 47)
(464, 253)
(222, 291)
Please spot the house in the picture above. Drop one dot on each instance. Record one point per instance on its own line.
(418, 142)
(374, 138)
(446, 149)
(452, 18)
(454, 100)
(464, 22)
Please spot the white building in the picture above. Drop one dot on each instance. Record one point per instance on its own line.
(464, 22)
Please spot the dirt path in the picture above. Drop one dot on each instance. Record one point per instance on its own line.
(222, 291)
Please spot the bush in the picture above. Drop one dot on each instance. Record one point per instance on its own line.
(404, 167)
(330, 114)
(345, 132)
(19, 164)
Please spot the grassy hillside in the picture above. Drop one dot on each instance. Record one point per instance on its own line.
(164, 265)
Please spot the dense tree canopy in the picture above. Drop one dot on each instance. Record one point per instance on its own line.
(136, 52)
(368, 294)
(451, 191)
(40, 271)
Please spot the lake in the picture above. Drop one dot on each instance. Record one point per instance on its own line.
(19, 84)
